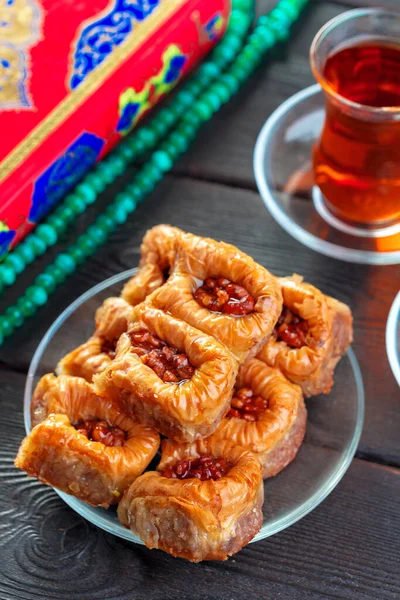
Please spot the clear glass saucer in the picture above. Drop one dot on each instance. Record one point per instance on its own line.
(333, 431)
(283, 172)
(393, 337)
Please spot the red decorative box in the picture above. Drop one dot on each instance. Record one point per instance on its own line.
(77, 76)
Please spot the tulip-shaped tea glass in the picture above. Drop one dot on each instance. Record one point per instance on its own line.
(327, 161)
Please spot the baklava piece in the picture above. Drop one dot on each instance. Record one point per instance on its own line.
(173, 377)
(82, 444)
(223, 292)
(203, 503)
(309, 338)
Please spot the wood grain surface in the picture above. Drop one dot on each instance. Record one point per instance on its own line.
(346, 548)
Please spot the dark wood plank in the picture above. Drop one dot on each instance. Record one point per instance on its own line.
(347, 548)
(238, 216)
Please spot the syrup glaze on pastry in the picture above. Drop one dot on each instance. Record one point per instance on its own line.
(88, 359)
(269, 419)
(83, 445)
(112, 318)
(313, 334)
(93, 356)
(223, 292)
(186, 409)
(98, 430)
(291, 329)
(195, 518)
(157, 257)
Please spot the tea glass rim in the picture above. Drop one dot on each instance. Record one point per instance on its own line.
(372, 111)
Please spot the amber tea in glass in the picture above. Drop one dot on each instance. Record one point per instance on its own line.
(356, 59)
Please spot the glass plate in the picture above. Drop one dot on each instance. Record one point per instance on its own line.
(393, 337)
(283, 172)
(333, 431)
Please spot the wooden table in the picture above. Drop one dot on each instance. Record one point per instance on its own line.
(349, 546)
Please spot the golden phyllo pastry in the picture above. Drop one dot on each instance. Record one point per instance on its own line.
(157, 257)
(311, 334)
(173, 377)
(203, 503)
(93, 356)
(267, 417)
(220, 290)
(82, 444)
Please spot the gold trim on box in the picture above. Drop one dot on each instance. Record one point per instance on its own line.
(92, 82)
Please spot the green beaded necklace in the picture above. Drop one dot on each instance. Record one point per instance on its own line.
(214, 83)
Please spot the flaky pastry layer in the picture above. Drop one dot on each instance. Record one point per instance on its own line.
(186, 410)
(278, 433)
(60, 456)
(199, 258)
(157, 255)
(193, 519)
(329, 335)
(111, 320)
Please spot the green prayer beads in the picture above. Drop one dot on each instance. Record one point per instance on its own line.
(37, 295)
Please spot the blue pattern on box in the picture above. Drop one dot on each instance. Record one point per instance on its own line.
(101, 35)
(64, 173)
(133, 104)
(174, 70)
(214, 27)
(6, 237)
(129, 114)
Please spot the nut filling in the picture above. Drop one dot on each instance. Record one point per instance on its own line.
(246, 405)
(168, 363)
(203, 468)
(291, 329)
(223, 296)
(97, 430)
(108, 348)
